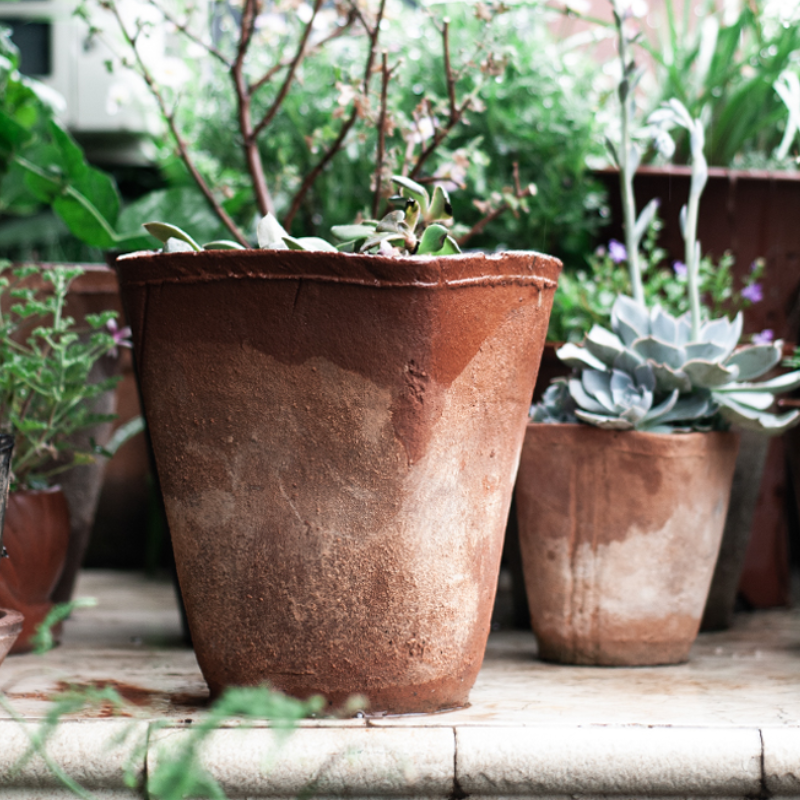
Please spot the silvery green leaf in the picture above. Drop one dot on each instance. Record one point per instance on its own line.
(664, 326)
(750, 419)
(173, 245)
(414, 190)
(163, 231)
(682, 220)
(668, 379)
(394, 239)
(706, 351)
(624, 392)
(662, 409)
(628, 361)
(645, 377)
(634, 414)
(645, 218)
(309, 244)
(440, 205)
(709, 374)
(696, 406)
(393, 222)
(722, 332)
(660, 352)
(436, 241)
(755, 360)
(684, 328)
(783, 383)
(598, 384)
(632, 315)
(345, 233)
(578, 357)
(760, 401)
(270, 233)
(606, 423)
(584, 400)
(603, 344)
(223, 244)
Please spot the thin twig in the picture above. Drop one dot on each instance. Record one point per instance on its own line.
(440, 136)
(311, 177)
(478, 227)
(287, 81)
(169, 118)
(255, 166)
(183, 27)
(386, 74)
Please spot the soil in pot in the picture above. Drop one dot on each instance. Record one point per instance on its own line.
(36, 535)
(336, 438)
(620, 533)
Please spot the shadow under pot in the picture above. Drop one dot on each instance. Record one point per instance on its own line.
(619, 533)
(36, 536)
(336, 438)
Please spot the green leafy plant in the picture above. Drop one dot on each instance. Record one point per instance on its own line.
(41, 164)
(653, 371)
(416, 229)
(45, 363)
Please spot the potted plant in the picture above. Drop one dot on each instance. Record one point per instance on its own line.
(45, 398)
(622, 505)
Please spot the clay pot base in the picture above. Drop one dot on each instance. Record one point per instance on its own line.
(617, 654)
(10, 627)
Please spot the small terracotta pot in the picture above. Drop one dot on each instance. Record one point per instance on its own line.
(620, 533)
(36, 536)
(336, 438)
(10, 628)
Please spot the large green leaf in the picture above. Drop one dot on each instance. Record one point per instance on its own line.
(98, 190)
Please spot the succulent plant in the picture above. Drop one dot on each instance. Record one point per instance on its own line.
(647, 374)
(415, 229)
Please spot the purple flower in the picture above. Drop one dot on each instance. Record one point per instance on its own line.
(617, 251)
(765, 337)
(119, 335)
(680, 268)
(754, 293)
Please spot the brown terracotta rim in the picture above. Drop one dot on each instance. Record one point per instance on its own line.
(10, 622)
(379, 272)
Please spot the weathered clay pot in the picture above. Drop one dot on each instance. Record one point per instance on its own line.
(36, 536)
(718, 614)
(619, 534)
(6, 450)
(336, 438)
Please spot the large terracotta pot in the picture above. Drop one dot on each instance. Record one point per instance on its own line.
(10, 628)
(336, 438)
(36, 535)
(619, 534)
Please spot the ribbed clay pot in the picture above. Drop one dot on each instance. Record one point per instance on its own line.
(36, 535)
(619, 534)
(336, 438)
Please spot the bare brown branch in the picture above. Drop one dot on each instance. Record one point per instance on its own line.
(169, 118)
(183, 27)
(287, 81)
(333, 149)
(244, 101)
(386, 74)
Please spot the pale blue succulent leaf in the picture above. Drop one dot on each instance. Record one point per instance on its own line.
(689, 408)
(628, 361)
(754, 420)
(760, 401)
(663, 408)
(645, 377)
(668, 379)
(630, 314)
(604, 344)
(783, 383)
(583, 399)
(664, 326)
(705, 351)
(578, 357)
(598, 385)
(756, 360)
(709, 374)
(660, 352)
(606, 423)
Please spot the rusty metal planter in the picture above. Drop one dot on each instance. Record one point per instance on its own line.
(620, 533)
(336, 438)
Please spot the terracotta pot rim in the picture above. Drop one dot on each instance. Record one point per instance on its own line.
(10, 622)
(634, 440)
(373, 271)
